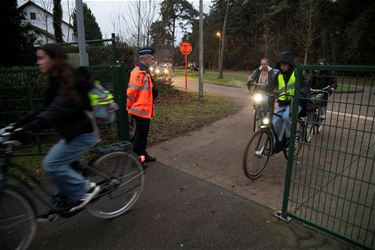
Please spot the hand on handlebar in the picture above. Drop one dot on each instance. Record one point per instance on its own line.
(9, 133)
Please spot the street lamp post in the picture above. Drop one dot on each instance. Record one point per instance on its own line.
(218, 34)
(83, 58)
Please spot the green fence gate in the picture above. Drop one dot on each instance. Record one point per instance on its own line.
(330, 183)
(21, 90)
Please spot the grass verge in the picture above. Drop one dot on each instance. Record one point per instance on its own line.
(178, 112)
(212, 77)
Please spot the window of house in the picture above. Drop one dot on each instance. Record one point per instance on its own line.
(32, 15)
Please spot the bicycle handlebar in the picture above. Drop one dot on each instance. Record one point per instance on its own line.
(320, 91)
(258, 84)
(6, 134)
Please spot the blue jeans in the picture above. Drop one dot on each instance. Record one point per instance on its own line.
(285, 118)
(57, 165)
(323, 110)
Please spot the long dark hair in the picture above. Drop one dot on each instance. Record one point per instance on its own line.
(62, 71)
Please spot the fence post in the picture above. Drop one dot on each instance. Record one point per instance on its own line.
(122, 121)
(113, 48)
(292, 142)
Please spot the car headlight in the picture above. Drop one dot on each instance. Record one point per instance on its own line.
(157, 71)
(266, 121)
(166, 71)
(258, 98)
(151, 69)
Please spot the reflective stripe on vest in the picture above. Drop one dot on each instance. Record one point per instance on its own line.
(147, 85)
(96, 99)
(286, 91)
(133, 86)
(131, 98)
(138, 111)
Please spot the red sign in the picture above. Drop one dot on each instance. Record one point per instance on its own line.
(186, 48)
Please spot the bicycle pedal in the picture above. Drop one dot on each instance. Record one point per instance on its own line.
(50, 217)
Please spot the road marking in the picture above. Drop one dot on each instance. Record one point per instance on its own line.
(369, 118)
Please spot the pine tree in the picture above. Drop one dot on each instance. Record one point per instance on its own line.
(92, 29)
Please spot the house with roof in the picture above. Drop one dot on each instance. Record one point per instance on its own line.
(40, 21)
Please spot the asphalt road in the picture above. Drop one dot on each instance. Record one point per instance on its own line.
(180, 211)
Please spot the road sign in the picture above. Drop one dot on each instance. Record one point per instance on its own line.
(186, 49)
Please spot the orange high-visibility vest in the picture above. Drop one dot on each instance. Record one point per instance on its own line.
(139, 94)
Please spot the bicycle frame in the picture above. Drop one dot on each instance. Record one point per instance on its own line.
(33, 185)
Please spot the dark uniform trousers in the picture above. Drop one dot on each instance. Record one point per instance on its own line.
(142, 128)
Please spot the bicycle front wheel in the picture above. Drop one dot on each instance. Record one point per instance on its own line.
(122, 186)
(257, 153)
(17, 219)
(255, 119)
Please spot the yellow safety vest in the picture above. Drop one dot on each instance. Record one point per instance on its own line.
(286, 91)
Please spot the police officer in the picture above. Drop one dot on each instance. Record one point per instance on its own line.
(140, 102)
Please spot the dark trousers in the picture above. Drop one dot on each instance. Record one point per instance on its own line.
(142, 127)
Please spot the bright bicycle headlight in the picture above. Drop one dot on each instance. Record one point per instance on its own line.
(157, 71)
(258, 98)
(266, 121)
(166, 71)
(151, 69)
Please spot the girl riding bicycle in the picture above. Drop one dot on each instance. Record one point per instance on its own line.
(66, 106)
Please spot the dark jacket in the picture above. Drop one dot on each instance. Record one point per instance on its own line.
(60, 112)
(254, 78)
(322, 79)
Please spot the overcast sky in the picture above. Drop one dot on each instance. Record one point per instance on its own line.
(106, 10)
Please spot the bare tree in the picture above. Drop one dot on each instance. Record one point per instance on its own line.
(45, 16)
(305, 28)
(134, 26)
(70, 10)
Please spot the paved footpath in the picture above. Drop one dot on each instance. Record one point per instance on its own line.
(214, 153)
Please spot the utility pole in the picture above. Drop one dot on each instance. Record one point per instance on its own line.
(201, 63)
(83, 58)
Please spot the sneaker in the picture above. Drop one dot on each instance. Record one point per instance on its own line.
(93, 191)
(49, 216)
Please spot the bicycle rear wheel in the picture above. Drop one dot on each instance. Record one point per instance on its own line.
(124, 188)
(17, 219)
(257, 153)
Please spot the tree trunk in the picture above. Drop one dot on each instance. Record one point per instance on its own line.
(57, 18)
(223, 40)
(173, 34)
(309, 34)
(139, 24)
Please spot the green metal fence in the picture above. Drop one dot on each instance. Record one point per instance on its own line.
(21, 90)
(330, 184)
